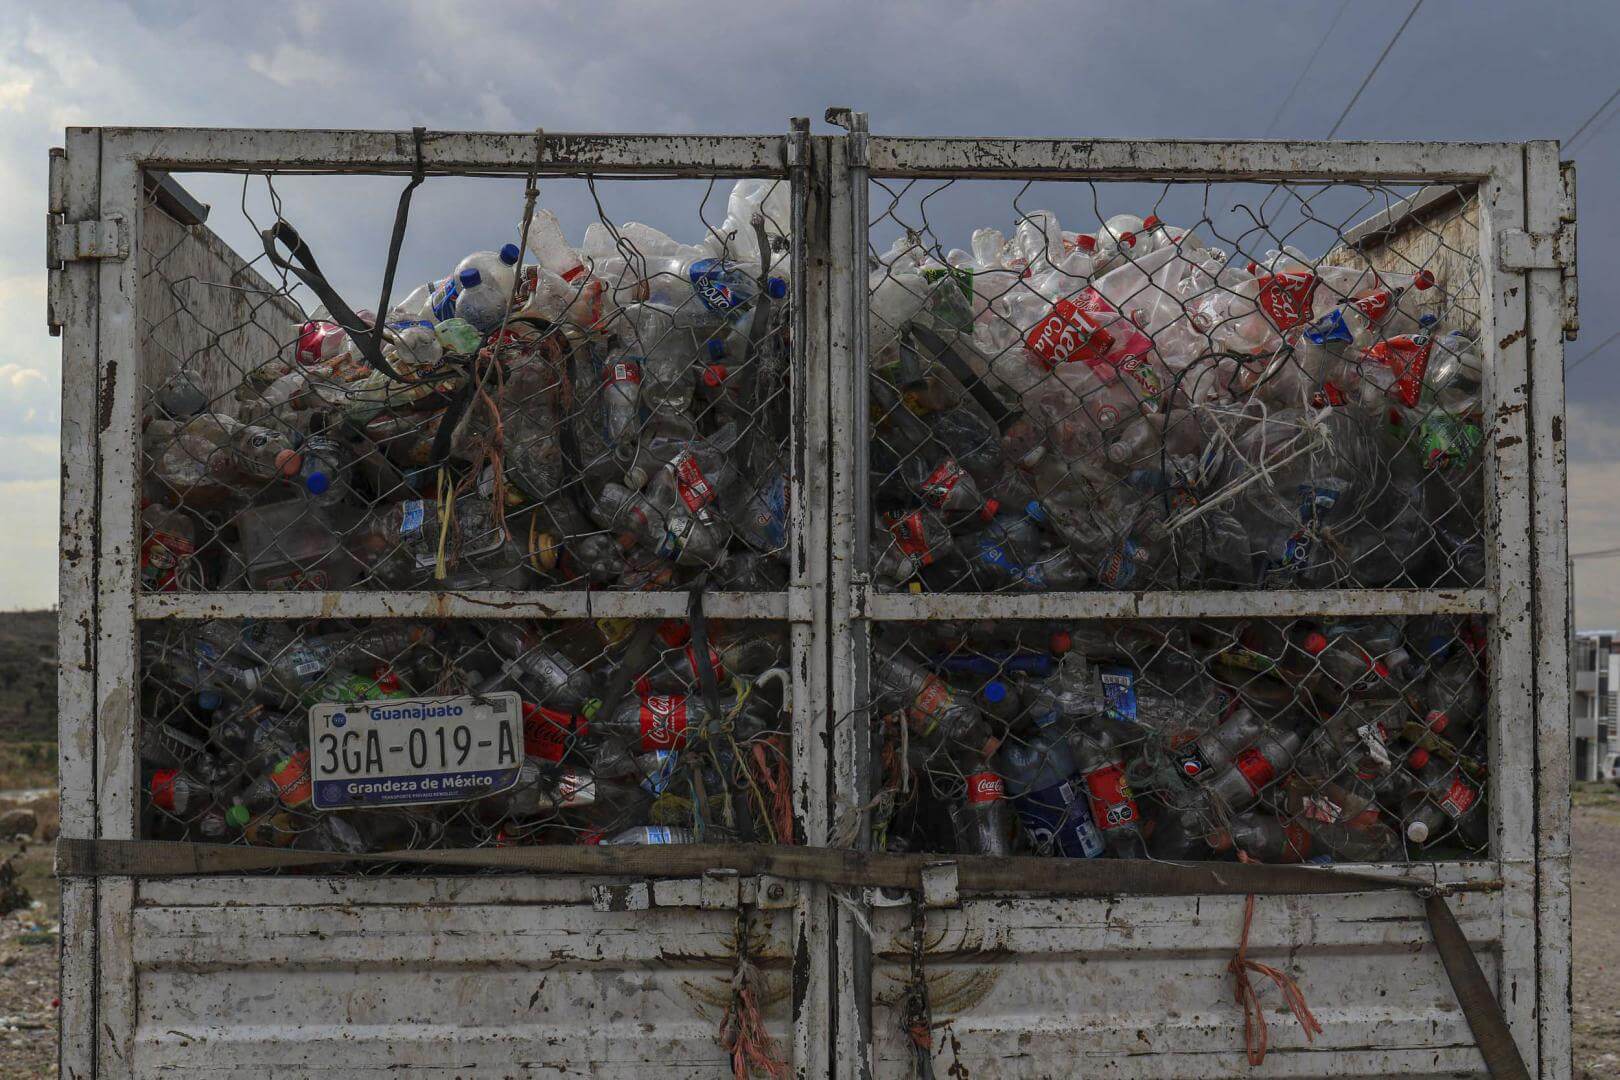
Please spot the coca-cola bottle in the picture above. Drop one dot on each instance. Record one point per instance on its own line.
(980, 820)
(1443, 802)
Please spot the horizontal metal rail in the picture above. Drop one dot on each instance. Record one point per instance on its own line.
(337, 151)
(1296, 603)
(458, 605)
(1188, 161)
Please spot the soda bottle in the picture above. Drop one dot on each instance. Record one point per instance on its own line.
(168, 544)
(1455, 696)
(549, 677)
(1113, 805)
(178, 793)
(909, 543)
(1253, 768)
(940, 715)
(980, 820)
(1049, 797)
(1443, 801)
(652, 834)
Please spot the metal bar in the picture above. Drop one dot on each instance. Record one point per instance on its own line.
(495, 604)
(1543, 208)
(1511, 579)
(1185, 160)
(812, 947)
(117, 670)
(497, 154)
(900, 607)
(851, 735)
(78, 310)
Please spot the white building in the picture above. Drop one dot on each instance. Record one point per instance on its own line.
(1596, 659)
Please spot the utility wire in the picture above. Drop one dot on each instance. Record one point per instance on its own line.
(1585, 356)
(1601, 553)
(1374, 69)
(1309, 66)
(1595, 114)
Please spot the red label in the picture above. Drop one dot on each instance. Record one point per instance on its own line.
(985, 787)
(622, 371)
(1376, 305)
(291, 778)
(1090, 329)
(941, 482)
(714, 661)
(1256, 769)
(929, 700)
(545, 732)
(1286, 297)
(163, 789)
(162, 556)
(1407, 357)
(695, 490)
(1330, 394)
(663, 722)
(1112, 803)
(911, 536)
(1459, 797)
(1297, 842)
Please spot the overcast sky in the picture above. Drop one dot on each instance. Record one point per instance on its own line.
(1462, 70)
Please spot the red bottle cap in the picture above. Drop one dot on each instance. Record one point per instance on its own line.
(288, 462)
(1151, 222)
(1127, 239)
(1423, 279)
(1254, 268)
(1086, 242)
(714, 375)
(1315, 642)
(1418, 758)
(1061, 642)
(988, 510)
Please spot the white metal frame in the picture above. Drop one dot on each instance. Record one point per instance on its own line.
(98, 180)
(1524, 201)
(1526, 251)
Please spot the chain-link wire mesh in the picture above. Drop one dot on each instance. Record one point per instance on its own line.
(1352, 740)
(619, 743)
(600, 410)
(1157, 405)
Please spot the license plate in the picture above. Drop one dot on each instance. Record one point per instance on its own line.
(414, 750)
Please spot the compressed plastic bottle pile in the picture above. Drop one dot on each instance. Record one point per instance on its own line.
(1133, 409)
(610, 415)
(1352, 740)
(619, 743)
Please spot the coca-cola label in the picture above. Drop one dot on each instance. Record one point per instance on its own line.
(545, 732)
(1286, 297)
(1087, 328)
(1377, 304)
(663, 722)
(163, 789)
(163, 556)
(694, 488)
(1256, 768)
(1112, 803)
(941, 482)
(911, 537)
(1407, 358)
(1458, 798)
(1057, 819)
(985, 787)
(1119, 692)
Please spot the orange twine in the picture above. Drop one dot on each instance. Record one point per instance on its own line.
(1256, 1036)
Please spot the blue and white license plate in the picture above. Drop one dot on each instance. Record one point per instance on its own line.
(414, 750)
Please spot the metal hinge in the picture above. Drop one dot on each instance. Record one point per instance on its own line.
(104, 238)
(941, 888)
(1517, 249)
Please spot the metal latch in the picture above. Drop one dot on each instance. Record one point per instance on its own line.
(105, 238)
(1519, 249)
(941, 888)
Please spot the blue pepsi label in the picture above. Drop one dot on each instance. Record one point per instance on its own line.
(1058, 819)
(716, 283)
(993, 554)
(444, 300)
(1119, 692)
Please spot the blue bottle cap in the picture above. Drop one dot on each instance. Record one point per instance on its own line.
(995, 691)
(209, 700)
(1035, 511)
(776, 288)
(470, 278)
(1427, 319)
(509, 254)
(716, 347)
(317, 483)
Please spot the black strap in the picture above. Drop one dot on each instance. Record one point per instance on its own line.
(945, 352)
(708, 682)
(1474, 994)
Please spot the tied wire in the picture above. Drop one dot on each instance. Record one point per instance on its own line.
(743, 1033)
(1256, 1034)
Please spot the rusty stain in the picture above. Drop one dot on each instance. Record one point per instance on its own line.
(104, 396)
(1558, 429)
(1508, 440)
(1517, 335)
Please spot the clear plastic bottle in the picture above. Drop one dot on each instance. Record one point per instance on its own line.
(1049, 796)
(980, 820)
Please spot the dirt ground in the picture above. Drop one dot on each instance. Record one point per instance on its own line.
(29, 942)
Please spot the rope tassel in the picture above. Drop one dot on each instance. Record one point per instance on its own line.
(1256, 1035)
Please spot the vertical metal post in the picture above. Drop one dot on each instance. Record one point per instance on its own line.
(807, 605)
(117, 689)
(1510, 574)
(852, 756)
(78, 311)
(1545, 208)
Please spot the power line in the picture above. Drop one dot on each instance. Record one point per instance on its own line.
(1595, 114)
(1584, 357)
(1309, 66)
(1374, 70)
(1601, 553)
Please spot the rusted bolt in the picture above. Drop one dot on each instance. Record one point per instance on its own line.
(776, 892)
